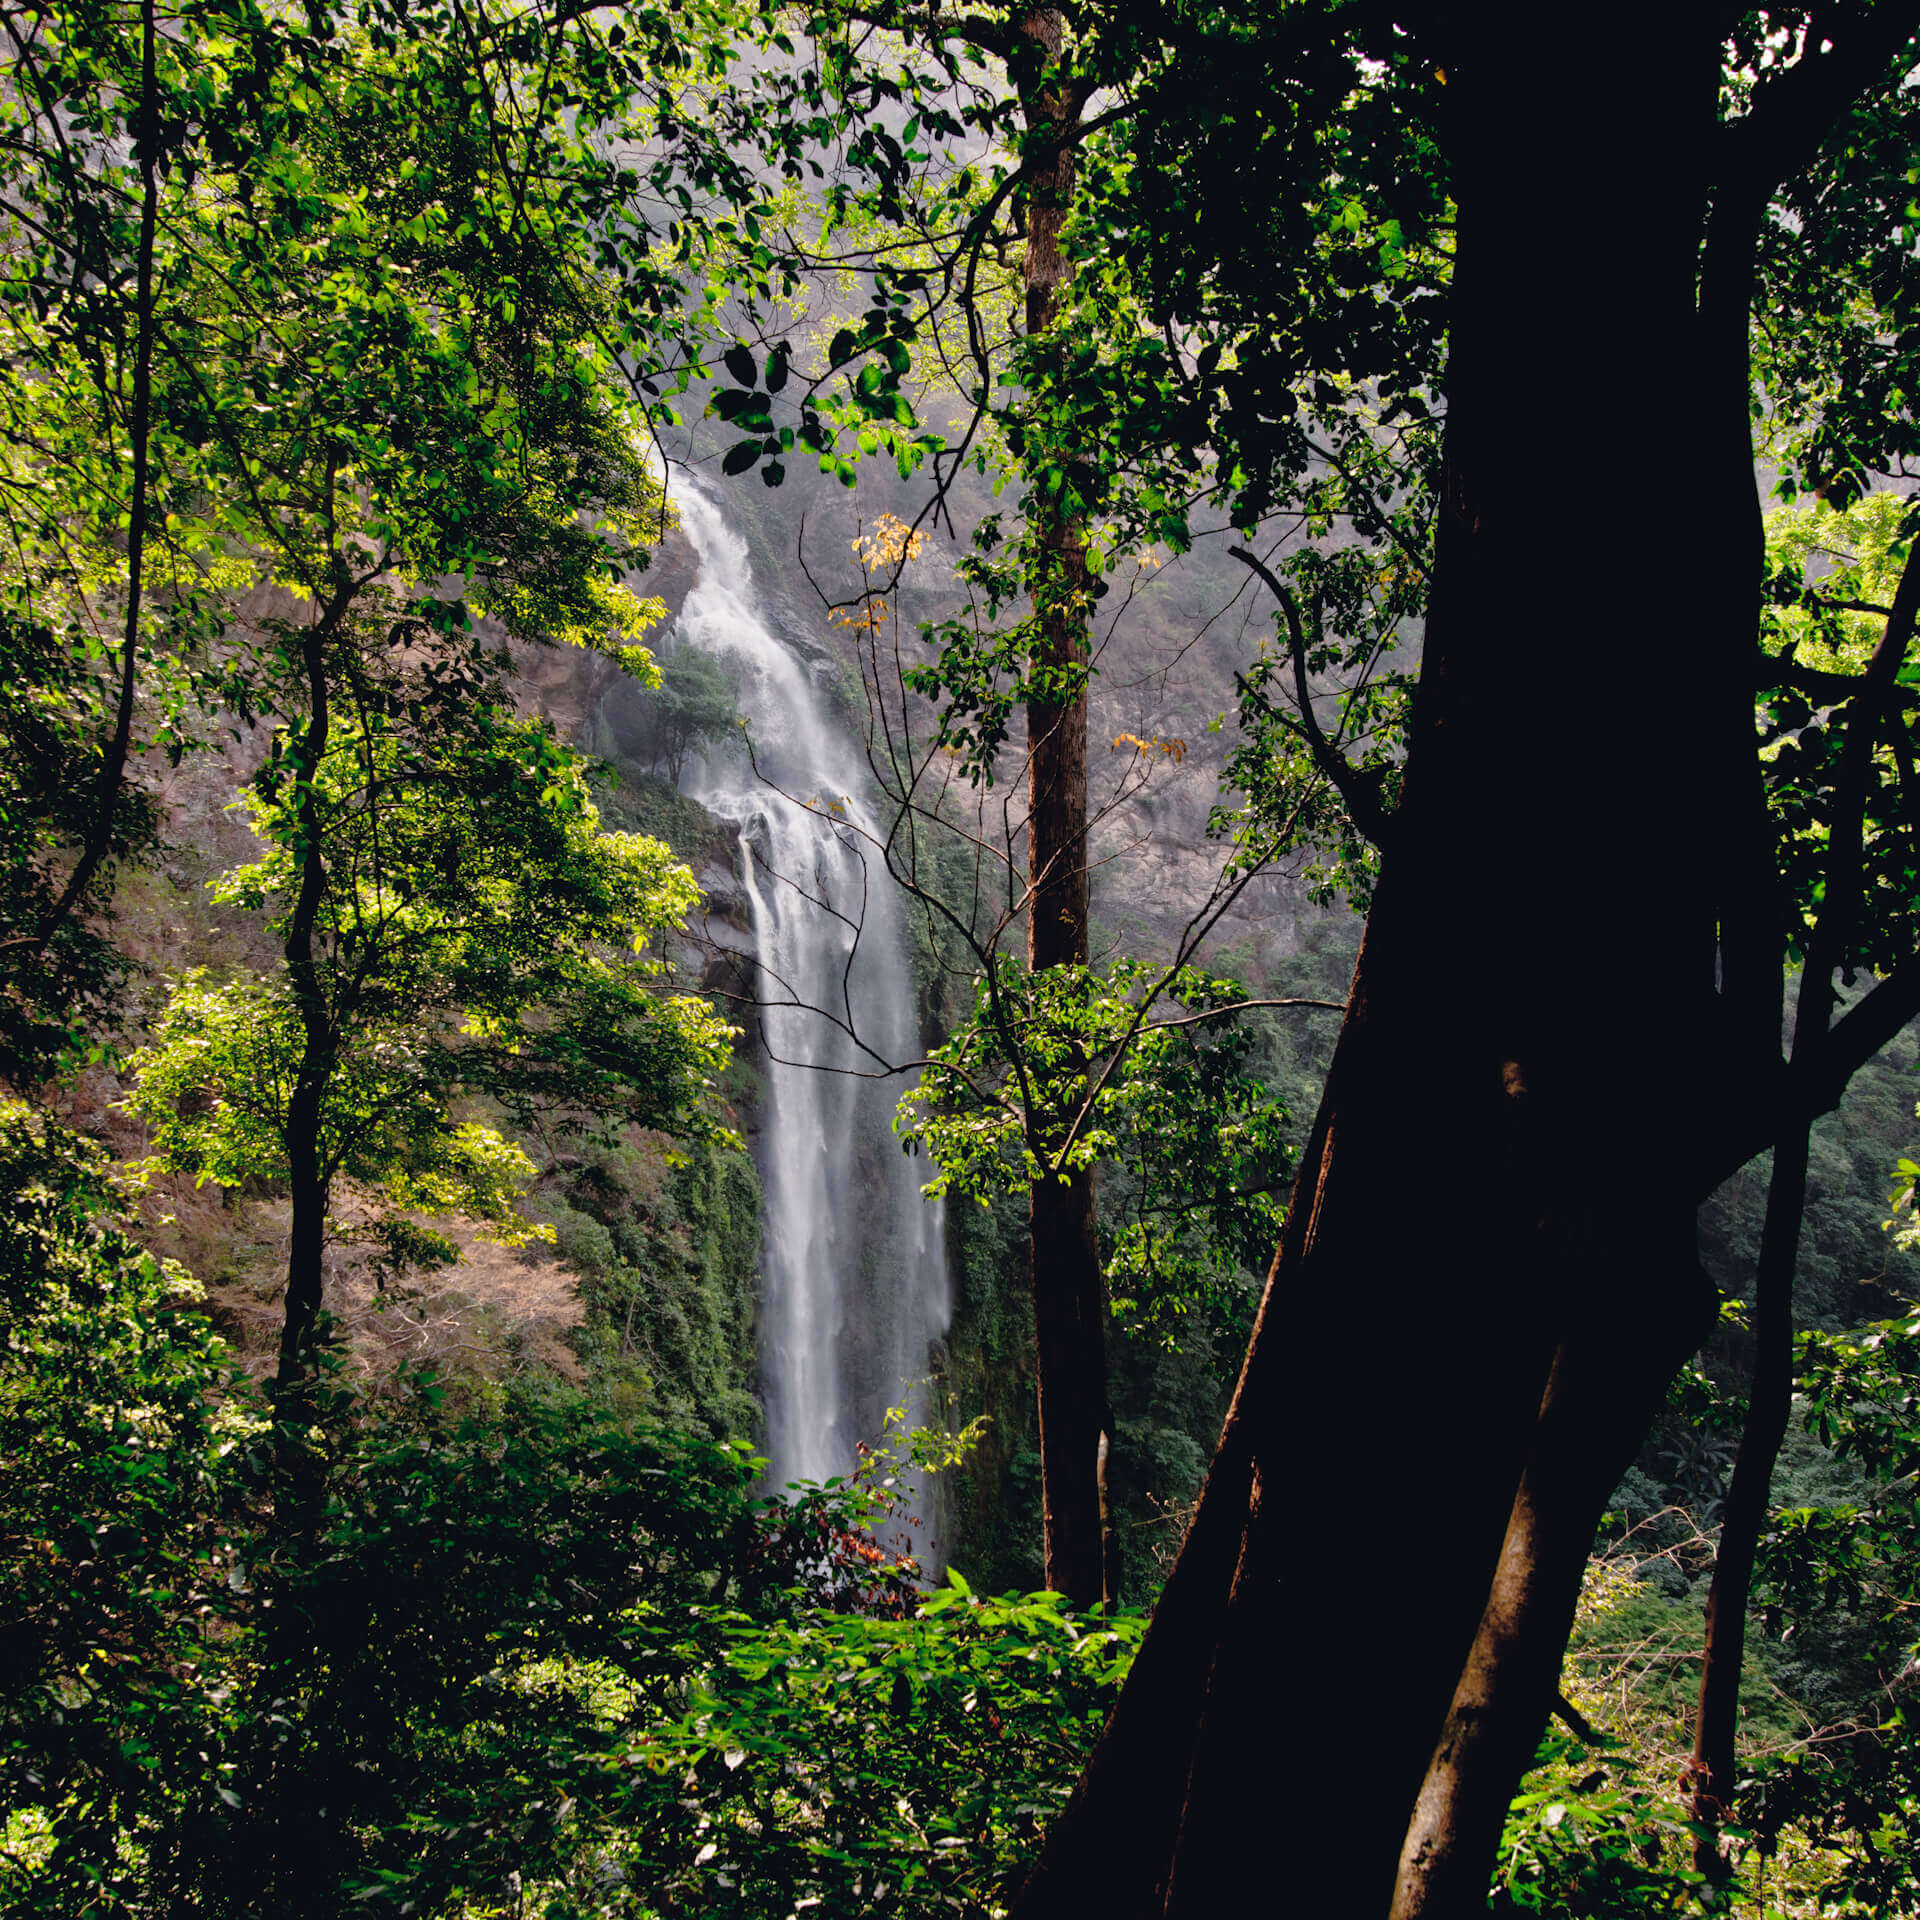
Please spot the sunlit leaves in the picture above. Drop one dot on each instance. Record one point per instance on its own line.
(1832, 577)
(477, 935)
(124, 1442)
(1065, 1068)
(911, 1759)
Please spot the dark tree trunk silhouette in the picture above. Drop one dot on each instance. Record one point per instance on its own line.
(1490, 1249)
(1769, 1402)
(309, 1176)
(289, 1828)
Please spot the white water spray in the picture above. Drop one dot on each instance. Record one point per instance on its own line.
(854, 1283)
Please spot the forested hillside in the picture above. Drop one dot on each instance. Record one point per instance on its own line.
(958, 962)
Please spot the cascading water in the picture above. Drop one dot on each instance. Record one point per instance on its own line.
(854, 1283)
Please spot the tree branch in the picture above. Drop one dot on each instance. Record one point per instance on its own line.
(1825, 1058)
(113, 768)
(1576, 1722)
(1793, 112)
(1360, 795)
(1242, 1006)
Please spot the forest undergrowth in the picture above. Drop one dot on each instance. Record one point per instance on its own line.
(538, 1654)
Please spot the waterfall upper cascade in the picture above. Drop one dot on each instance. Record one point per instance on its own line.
(854, 1280)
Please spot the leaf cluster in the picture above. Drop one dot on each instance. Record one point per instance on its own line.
(862, 1765)
(1833, 578)
(477, 938)
(1070, 1067)
(51, 733)
(123, 1491)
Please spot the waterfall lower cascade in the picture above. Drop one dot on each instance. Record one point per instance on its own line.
(854, 1280)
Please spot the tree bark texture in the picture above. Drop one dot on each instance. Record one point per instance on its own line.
(1488, 1273)
(1067, 1293)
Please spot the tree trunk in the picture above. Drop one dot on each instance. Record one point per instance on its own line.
(1607, 1383)
(1488, 1270)
(1771, 1399)
(294, 1841)
(307, 1174)
(1769, 1403)
(1072, 1373)
(1065, 1251)
(1070, 1346)
(113, 764)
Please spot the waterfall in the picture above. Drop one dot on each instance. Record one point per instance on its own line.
(854, 1284)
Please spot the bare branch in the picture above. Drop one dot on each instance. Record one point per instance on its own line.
(1243, 1006)
(1360, 794)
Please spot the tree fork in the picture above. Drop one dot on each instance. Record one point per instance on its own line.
(1445, 1242)
(1607, 1383)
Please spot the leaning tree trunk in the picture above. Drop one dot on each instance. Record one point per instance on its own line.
(1716, 1720)
(1488, 1272)
(1070, 1347)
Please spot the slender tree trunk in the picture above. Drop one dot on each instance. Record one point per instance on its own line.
(113, 765)
(1770, 1402)
(307, 1173)
(296, 1842)
(1072, 1374)
(1070, 1346)
(1491, 1238)
(1064, 1242)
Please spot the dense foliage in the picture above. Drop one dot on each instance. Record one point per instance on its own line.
(1198, 1144)
(475, 935)
(334, 346)
(520, 1628)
